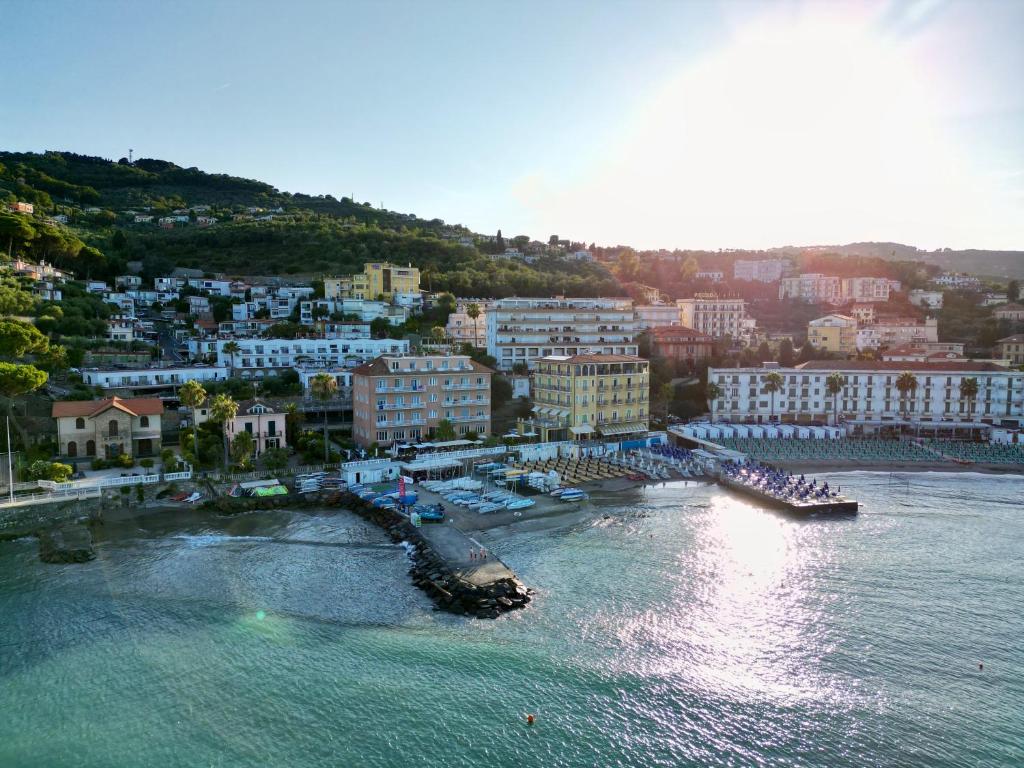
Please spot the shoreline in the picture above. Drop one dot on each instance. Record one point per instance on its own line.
(808, 467)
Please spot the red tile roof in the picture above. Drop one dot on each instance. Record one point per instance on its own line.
(671, 331)
(137, 406)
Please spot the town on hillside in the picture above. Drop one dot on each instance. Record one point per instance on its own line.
(122, 359)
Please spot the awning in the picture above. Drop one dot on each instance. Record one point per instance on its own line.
(623, 429)
(582, 429)
(422, 465)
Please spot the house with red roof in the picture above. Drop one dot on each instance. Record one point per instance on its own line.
(109, 428)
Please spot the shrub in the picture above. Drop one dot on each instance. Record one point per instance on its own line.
(125, 461)
(100, 464)
(146, 463)
(140, 493)
(49, 470)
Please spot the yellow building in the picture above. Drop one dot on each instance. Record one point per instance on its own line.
(833, 333)
(377, 279)
(579, 396)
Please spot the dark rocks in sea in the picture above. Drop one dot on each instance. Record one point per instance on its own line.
(68, 543)
(435, 576)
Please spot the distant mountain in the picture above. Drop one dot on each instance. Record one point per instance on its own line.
(1005, 264)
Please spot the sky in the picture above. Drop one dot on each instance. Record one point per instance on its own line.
(654, 124)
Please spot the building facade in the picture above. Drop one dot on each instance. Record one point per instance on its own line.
(255, 357)
(523, 330)
(1012, 312)
(579, 396)
(260, 420)
(1011, 348)
(869, 394)
(659, 315)
(108, 428)
(378, 279)
(926, 299)
(833, 333)
(152, 378)
(898, 332)
(682, 344)
(463, 329)
(765, 271)
(717, 317)
(400, 398)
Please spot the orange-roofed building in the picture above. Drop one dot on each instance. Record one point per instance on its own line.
(108, 428)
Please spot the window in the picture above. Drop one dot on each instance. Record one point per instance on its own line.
(248, 427)
(79, 423)
(143, 421)
(112, 427)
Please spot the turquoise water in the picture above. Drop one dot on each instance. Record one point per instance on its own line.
(687, 627)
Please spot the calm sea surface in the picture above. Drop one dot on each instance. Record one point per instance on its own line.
(685, 628)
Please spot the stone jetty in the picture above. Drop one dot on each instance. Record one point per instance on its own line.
(443, 567)
(67, 543)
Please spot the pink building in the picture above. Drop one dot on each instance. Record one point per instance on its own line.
(266, 425)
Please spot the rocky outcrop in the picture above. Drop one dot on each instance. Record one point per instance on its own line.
(69, 543)
(435, 576)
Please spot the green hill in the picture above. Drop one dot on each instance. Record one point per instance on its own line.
(305, 235)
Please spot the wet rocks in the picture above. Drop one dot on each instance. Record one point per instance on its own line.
(68, 543)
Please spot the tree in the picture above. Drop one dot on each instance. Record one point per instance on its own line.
(437, 334)
(473, 312)
(324, 386)
(292, 420)
(192, 395)
(49, 470)
(18, 339)
(444, 431)
(274, 459)
(627, 265)
(773, 383)
(665, 394)
(906, 383)
(786, 356)
(1013, 291)
(379, 327)
(833, 386)
(231, 349)
(713, 392)
(689, 269)
(807, 353)
(242, 446)
(18, 380)
(15, 229)
(969, 392)
(223, 409)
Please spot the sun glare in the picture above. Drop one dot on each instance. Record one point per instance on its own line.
(820, 127)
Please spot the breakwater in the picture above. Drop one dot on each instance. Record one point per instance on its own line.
(442, 566)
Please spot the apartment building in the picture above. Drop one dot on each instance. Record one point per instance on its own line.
(959, 280)
(579, 396)
(833, 333)
(658, 315)
(108, 428)
(897, 332)
(522, 330)
(715, 316)
(403, 398)
(257, 357)
(926, 299)
(400, 285)
(764, 271)
(1012, 312)
(681, 344)
(1011, 348)
(869, 395)
(463, 329)
(816, 288)
(152, 378)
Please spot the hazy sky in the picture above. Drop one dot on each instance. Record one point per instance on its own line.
(658, 124)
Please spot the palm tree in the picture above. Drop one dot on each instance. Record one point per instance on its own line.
(713, 392)
(773, 383)
(231, 349)
(192, 395)
(437, 334)
(906, 383)
(833, 386)
(969, 392)
(323, 386)
(292, 418)
(223, 409)
(473, 312)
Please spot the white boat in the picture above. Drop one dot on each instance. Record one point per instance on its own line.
(521, 503)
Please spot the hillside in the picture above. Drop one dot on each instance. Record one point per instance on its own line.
(259, 230)
(1005, 264)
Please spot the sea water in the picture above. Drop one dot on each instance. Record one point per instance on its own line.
(679, 626)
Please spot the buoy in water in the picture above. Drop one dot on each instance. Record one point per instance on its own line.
(981, 666)
(529, 719)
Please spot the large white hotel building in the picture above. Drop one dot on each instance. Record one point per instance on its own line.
(523, 330)
(869, 394)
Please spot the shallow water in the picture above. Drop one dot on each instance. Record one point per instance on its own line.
(688, 627)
